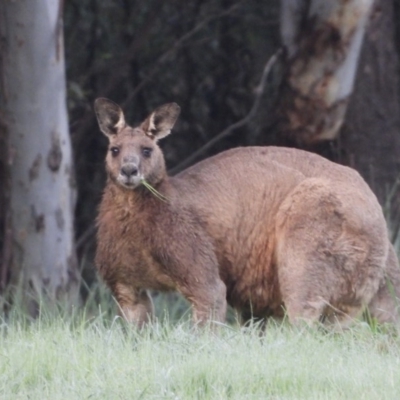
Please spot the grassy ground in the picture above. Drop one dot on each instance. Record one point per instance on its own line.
(98, 358)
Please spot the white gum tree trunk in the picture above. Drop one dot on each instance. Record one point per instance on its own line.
(323, 39)
(42, 183)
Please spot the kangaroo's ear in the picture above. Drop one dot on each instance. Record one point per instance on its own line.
(109, 116)
(160, 122)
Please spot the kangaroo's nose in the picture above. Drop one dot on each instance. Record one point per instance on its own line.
(129, 170)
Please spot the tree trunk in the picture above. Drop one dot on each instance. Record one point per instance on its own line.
(322, 40)
(370, 140)
(42, 189)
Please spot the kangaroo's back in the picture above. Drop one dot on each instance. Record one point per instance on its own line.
(245, 187)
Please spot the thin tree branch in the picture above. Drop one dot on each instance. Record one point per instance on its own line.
(227, 131)
(88, 117)
(179, 43)
(86, 236)
(131, 52)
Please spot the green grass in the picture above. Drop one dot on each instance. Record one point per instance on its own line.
(77, 357)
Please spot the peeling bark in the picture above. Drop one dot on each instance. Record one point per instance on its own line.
(34, 105)
(370, 139)
(323, 40)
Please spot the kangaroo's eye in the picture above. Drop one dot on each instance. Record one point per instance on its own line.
(114, 151)
(146, 151)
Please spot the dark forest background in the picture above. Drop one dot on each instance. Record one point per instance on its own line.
(209, 57)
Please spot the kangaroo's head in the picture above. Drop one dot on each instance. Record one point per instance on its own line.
(133, 153)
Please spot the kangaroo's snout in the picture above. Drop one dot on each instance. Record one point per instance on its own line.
(129, 169)
(129, 174)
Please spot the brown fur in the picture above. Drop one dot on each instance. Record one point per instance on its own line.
(262, 228)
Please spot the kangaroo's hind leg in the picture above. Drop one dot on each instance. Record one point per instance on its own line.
(385, 306)
(329, 267)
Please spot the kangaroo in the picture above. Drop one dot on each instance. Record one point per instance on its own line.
(268, 230)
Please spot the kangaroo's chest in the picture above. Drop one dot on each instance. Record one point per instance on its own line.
(129, 256)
